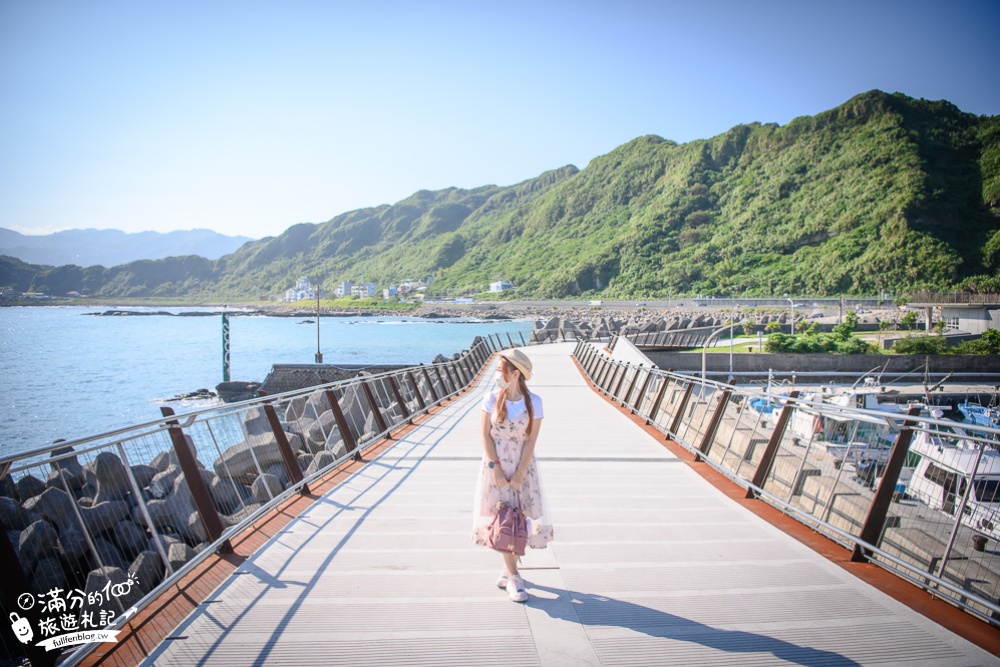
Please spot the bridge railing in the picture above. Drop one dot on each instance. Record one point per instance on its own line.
(110, 521)
(916, 494)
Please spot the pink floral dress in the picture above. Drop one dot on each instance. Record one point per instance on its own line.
(509, 438)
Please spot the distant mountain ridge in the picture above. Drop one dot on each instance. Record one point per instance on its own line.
(884, 193)
(111, 247)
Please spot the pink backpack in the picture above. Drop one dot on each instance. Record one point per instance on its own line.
(508, 530)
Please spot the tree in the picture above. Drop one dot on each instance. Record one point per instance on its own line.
(909, 321)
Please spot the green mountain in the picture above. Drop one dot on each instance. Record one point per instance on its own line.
(881, 193)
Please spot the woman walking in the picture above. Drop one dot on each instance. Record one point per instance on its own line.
(512, 417)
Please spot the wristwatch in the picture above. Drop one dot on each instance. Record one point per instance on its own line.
(494, 463)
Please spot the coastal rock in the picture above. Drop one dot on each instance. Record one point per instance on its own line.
(303, 459)
(240, 515)
(29, 486)
(227, 495)
(48, 575)
(131, 539)
(161, 541)
(112, 480)
(60, 459)
(144, 474)
(162, 484)
(54, 506)
(234, 392)
(63, 479)
(338, 449)
(72, 544)
(262, 485)
(147, 570)
(281, 472)
(108, 554)
(102, 517)
(239, 462)
(178, 554)
(37, 540)
(161, 461)
(14, 516)
(320, 461)
(99, 579)
(7, 488)
(321, 432)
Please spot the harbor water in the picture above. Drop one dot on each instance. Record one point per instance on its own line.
(69, 374)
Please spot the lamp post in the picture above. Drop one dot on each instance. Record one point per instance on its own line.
(319, 355)
(705, 348)
(791, 324)
(732, 314)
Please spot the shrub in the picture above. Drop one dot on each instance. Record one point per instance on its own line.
(921, 345)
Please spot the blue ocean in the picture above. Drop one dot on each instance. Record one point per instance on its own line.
(66, 374)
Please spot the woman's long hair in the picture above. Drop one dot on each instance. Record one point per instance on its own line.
(500, 411)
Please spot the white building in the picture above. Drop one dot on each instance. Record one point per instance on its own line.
(501, 286)
(344, 289)
(363, 291)
(301, 292)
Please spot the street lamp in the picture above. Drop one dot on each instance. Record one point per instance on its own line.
(791, 324)
(319, 355)
(732, 315)
(709, 340)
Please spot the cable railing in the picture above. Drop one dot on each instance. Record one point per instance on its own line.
(99, 526)
(899, 487)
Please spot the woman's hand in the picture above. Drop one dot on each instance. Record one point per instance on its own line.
(517, 480)
(498, 477)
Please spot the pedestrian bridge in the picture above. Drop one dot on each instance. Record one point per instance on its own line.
(652, 565)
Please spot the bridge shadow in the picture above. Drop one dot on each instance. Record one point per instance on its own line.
(595, 610)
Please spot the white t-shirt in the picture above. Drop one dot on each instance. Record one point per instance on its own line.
(514, 408)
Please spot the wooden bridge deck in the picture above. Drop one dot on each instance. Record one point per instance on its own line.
(652, 565)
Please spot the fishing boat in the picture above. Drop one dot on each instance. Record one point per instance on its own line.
(947, 465)
(979, 414)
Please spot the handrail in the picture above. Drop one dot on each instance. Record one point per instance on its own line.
(809, 483)
(128, 479)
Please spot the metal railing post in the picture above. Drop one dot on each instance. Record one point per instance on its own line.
(510, 340)
(767, 458)
(430, 384)
(878, 510)
(196, 484)
(676, 422)
(713, 426)
(444, 385)
(399, 398)
(643, 390)
(342, 425)
(416, 391)
(631, 386)
(621, 381)
(376, 410)
(291, 463)
(651, 418)
(521, 334)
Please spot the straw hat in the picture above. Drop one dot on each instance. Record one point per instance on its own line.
(520, 361)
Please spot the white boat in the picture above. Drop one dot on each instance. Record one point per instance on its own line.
(942, 477)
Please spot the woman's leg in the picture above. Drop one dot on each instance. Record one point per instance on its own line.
(510, 562)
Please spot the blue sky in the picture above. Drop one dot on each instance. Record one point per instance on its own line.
(249, 117)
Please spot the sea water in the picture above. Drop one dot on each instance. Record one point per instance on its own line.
(68, 374)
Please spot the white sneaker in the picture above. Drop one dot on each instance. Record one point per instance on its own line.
(502, 581)
(515, 589)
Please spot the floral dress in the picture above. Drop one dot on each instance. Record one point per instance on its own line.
(509, 438)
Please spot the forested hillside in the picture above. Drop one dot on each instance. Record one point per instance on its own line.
(881, 193)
